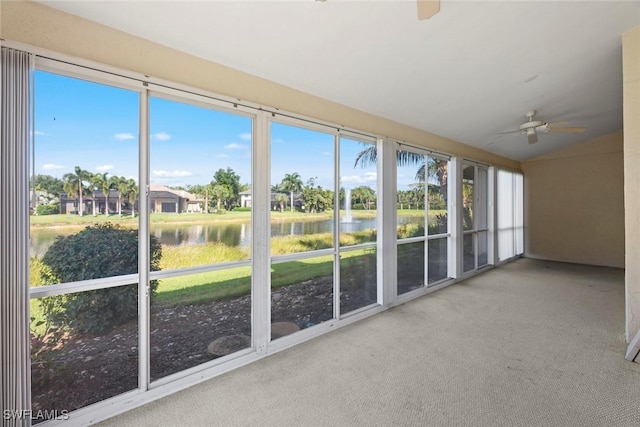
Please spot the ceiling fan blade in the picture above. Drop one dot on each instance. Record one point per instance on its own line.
(427, 8)
(507, 133)
(567, 130)
(532, 137)
(557, 124)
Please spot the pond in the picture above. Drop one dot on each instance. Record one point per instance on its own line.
(228, 233)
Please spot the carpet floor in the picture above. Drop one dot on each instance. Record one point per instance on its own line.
(531, 343)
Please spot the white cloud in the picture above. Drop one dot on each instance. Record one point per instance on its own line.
(51, 166)
(327, 153)
(245, 136)
(360, 179)
(124, 136)
(104, 168)
(40, 133)
(171, 174)
(161, 136)
(234, 146)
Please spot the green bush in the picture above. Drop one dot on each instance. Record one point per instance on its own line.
(98, 251)
(242, 209)
(48, 209)
(406, 231)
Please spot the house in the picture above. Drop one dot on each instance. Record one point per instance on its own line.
(451, 88)
(167, 200)
(245, 200)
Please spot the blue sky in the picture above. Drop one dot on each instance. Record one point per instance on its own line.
(94, 126)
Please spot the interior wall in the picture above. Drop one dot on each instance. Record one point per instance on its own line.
(574, 204)
(43, 27)
(631, 96)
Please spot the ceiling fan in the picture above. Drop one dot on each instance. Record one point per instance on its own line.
(427, 8)
(532, 127)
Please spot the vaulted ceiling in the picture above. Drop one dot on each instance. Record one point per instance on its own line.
(469, 73)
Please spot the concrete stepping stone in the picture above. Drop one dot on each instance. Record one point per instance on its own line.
(280, 329)
(228, 344)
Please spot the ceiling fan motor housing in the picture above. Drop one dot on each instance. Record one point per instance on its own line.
(526, 126)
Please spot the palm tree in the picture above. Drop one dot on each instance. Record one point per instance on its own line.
(104, 184)
(369, 156)
(291, 183)
(220, 192)
(437, 169)
(94, 185)
(120, 185)
(132, 193)
(74, 184)
(281, 199)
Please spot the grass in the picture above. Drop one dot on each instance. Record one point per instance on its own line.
(236, 282)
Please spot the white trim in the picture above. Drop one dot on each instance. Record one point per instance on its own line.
(387, 262)
(81, 286)
(208, 268)
(276, 259)
(197, 100)
(144, 247)
(261, 234)
(336, 225)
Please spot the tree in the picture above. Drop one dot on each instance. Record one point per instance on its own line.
(221, 193)
(435, 168)
(291, 183)
(93, 185)
(315, 197)
(121, 186)
(281, 199)
(104, 184)
(363, 195)
(132, 194)
(74, 184)
(48, 184)
(231, 180)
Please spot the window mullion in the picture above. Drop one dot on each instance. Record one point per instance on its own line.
(144, 300)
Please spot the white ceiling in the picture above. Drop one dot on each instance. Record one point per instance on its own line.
(465, 74)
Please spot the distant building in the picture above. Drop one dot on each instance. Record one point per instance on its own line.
(161, 199)
(168, 200)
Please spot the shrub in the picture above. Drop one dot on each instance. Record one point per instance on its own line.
(242, 209)
(410, 230)
(48, 209)
(438, 225)
(98, 251)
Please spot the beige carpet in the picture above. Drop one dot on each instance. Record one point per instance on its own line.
(532, 343)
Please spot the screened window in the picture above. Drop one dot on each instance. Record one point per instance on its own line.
(510, 223)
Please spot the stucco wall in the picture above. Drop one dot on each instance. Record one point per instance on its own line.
(574, 203)
(43, 27)
(631, 95)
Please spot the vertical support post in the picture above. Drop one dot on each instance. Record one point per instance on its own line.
(387, 264)
(336, 226)
(492, 247)
(144, 286)
(261, 235)
(454, 189)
